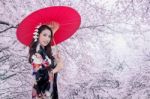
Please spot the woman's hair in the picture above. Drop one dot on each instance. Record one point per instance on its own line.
(33, 45)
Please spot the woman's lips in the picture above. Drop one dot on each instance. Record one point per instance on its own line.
(45, 42)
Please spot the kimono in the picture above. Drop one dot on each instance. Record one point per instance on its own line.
(41, 69)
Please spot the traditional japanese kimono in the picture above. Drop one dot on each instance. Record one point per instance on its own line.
(41, 69)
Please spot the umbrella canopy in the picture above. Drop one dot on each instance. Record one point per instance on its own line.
(68, 18)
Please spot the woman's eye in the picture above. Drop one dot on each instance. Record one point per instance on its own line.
(44, 34)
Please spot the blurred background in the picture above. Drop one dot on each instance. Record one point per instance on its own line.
(107, 58)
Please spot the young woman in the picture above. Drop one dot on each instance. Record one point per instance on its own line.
(45, 64)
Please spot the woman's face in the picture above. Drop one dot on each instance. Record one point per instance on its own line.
(45, 37)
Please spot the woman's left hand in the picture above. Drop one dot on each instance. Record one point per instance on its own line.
(59, 61)
(57, 56)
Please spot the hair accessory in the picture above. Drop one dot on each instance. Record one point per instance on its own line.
(35, 34)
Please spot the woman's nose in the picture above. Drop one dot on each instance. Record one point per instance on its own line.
(47, 38)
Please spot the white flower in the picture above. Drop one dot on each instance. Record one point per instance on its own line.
(47, 93)
(35, 33)
(36, 30)
(49, 60)
(35, 36)
(35, 40)
(38, 25)
(36, 60)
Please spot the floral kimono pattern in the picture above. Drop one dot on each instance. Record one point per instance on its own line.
(44, 86)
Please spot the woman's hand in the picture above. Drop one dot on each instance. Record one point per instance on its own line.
(57, 56)
(54, 26)
(59, 62)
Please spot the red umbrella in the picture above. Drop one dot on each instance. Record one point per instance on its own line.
(69, 21)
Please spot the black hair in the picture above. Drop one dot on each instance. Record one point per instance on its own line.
(33, 44)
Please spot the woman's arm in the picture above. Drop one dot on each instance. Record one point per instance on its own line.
(59, 65)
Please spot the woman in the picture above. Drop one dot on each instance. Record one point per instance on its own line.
(45, 65)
